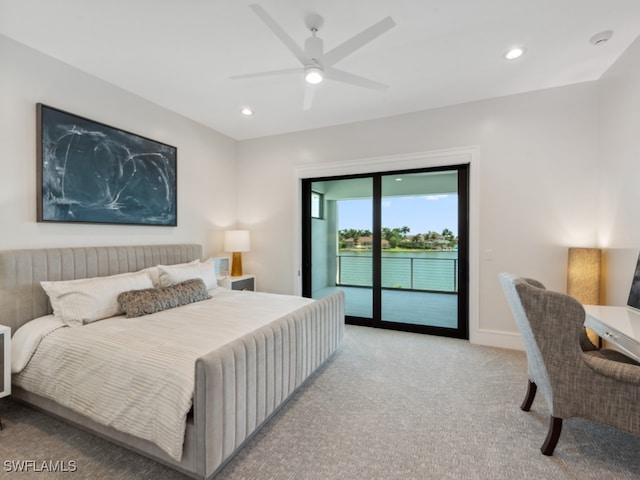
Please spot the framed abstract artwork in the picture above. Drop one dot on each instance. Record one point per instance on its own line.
(90, 172)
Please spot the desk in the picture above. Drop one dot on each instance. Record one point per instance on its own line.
(619, 326)
(5, 361)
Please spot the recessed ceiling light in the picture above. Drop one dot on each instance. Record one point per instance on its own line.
(602, 37)
(246, 111)
(514, 53)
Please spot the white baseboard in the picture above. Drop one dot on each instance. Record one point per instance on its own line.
(494, 338)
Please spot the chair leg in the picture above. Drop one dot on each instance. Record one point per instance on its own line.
(555, 427)
(532, 388)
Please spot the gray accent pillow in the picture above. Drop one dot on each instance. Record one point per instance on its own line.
(136, 303)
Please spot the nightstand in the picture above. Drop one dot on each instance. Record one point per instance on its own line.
(243, 282)
(5, 363)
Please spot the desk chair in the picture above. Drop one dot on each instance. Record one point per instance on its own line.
(576, 378)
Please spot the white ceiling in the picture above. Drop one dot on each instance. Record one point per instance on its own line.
(181, 53)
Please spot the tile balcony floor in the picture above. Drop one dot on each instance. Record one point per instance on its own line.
(402, 306)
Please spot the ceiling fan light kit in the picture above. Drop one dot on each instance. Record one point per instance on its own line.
(317, 65)
(313, 75)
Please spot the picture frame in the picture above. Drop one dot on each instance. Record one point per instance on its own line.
(221, 266)
(89, 172)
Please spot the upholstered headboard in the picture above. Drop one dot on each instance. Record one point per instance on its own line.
(21, 271)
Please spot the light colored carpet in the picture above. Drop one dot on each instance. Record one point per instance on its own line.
(389, 405)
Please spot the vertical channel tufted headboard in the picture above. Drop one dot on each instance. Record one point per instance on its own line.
(21, 271)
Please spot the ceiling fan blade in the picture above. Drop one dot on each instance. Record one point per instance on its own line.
(270, 73)
(309, 92)
(280, 33)
(350, 78)
(354, 43)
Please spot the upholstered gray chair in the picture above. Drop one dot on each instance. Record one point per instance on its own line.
(576, 378)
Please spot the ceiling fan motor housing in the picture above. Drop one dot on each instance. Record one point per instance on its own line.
(313, 47)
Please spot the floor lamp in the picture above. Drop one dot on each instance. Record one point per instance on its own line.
(584, 276)
(236, 241)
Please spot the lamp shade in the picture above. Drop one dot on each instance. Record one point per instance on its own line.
(236, 241)
(583, 276)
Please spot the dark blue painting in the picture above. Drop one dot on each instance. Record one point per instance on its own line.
(91, 172)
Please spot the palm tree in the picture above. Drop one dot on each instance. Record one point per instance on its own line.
(449, 237)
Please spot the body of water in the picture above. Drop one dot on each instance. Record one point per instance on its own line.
(415, 270)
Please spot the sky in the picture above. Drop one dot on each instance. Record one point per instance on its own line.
(420, 213)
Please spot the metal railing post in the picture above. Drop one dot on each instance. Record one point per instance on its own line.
(455, 274)
(411, 268)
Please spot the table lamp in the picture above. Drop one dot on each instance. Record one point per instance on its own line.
(236, 241)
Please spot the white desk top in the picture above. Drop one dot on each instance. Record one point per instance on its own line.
(617, 325)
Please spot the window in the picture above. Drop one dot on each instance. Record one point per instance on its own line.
(317, 200)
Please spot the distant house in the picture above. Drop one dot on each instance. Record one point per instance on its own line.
(367, 242)
(348, 242)
(362, 242)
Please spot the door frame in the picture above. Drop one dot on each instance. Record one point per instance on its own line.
(418, 160)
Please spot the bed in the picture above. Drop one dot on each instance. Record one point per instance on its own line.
(250, 369)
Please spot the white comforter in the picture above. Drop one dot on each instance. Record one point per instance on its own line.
(137, 374)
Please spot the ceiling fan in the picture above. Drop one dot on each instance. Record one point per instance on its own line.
(316, 64)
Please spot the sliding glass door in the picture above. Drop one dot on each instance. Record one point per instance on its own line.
(341, 257)
(395, 243)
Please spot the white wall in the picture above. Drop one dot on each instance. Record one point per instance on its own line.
(538, 154)
(619, 172)
(206, 159)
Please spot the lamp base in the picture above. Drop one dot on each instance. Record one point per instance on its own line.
(236, 264)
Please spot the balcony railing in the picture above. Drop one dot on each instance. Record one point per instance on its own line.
(411, 273)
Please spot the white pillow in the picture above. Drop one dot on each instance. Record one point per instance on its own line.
(154, 273)
(172, 274)
(77, 302)
(27, 338)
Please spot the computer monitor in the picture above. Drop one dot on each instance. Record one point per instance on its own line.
(634, 293)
